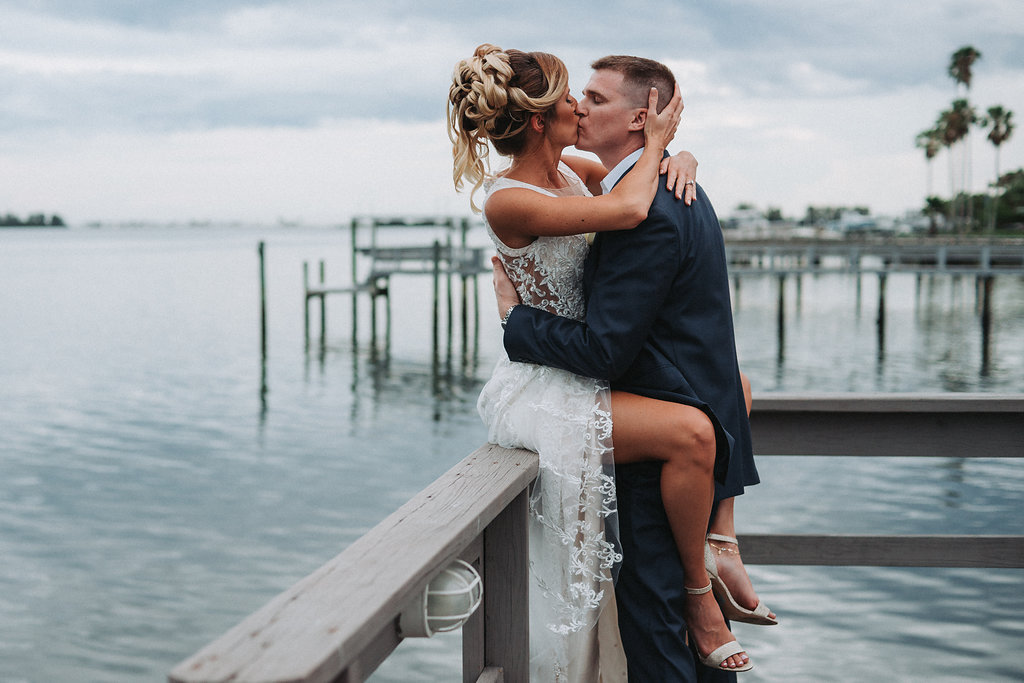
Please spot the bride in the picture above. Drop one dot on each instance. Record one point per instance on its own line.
(536, 212)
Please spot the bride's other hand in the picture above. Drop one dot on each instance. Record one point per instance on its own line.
(660, 128)
(504, 290)
(680, 173)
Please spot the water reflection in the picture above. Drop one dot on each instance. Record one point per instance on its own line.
(150, 499)
(922, 321)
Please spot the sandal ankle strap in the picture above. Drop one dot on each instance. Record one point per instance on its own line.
(698, 591)
(723, 539)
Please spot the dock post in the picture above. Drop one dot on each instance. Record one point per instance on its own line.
(373, 319)
(451, 316)
(880, 320)
(986, 322)
(437, 313)
(476, 320)
(263, 302)
(263, 334)
(305, 288)
(781, 319)
(387, 318)
(799, 293)
(858, 299)
(464, 225)
(323, 306)
(353, 227)
(506, 568)
(882, 279)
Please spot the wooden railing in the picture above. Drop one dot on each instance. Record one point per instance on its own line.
(340, 622)
(903, 425)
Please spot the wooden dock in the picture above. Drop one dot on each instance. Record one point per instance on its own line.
(453, 265)
(340, 622)
(922, 257)
(449, 262)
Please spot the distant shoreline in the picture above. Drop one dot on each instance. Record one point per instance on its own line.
(35, 220)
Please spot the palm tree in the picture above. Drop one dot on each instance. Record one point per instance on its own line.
(1001, 122)
(952, 127)
(931, 142)
(960, 65)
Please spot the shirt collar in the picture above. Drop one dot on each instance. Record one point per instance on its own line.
(620, 170)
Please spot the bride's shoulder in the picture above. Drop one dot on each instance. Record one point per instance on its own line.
(585, 172)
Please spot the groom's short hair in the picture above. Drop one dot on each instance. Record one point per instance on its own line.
(639, 75)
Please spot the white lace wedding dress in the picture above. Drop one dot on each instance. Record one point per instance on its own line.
(566, 419)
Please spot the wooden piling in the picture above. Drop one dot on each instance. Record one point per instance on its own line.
(263, 301)
(353, 227)
(986, 324)
(323, 305)
(436, 337)
(305, 288)
(781, 320)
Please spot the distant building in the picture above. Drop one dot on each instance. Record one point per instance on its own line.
(747, 222)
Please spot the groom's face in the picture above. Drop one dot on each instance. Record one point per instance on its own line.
(605, 112)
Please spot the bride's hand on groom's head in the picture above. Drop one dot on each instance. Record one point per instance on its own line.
(660, 127)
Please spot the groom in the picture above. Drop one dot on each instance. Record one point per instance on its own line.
(658, 324)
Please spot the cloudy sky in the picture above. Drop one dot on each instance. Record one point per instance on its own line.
(312, 110)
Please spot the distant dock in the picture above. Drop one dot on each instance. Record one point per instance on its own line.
(454, 268)
(452, 265)
(923, 257)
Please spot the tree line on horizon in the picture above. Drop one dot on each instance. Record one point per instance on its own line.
(951, 131)
(35, 220)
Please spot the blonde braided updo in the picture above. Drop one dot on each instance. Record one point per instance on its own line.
(493, 95)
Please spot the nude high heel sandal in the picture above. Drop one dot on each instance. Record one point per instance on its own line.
(731, 609)
(722, 652)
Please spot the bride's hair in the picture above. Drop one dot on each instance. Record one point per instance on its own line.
(493, 95)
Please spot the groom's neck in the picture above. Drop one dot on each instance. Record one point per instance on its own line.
(610, 158)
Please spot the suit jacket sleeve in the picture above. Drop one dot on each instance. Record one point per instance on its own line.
(632, 275)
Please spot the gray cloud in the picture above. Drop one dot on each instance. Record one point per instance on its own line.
(190, 63)
(821, 98)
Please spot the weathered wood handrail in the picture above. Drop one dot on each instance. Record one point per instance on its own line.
(933, 425)
(895, 425)
(340, 622)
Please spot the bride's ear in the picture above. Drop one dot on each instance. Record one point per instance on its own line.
(537, 122)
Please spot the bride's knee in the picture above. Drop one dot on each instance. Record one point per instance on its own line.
(693, 438)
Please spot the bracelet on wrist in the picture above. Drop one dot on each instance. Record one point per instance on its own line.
(504, 319)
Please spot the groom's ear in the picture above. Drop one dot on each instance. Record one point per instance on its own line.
(638, 120)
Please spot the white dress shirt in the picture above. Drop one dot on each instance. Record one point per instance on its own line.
(620, 170)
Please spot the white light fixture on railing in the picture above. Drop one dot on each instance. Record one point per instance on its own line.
(445, 604)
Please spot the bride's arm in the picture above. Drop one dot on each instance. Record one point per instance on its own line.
(518, 212)
(679, 171)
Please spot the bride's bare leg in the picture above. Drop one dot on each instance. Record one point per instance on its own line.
(727, 557)
(683, 438)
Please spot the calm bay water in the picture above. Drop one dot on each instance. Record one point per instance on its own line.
(158, 482)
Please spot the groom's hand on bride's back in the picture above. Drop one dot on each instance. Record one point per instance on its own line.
(504, 290)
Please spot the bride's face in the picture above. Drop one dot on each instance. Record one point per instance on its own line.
(563, 122)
